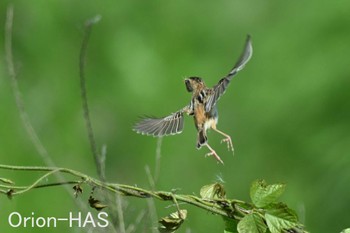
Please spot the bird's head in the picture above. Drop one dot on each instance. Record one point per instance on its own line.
(194, 83)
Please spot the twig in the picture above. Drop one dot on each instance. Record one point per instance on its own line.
(152, 181)
(152, 214)
(39, 186)
(158, 158)
(119, 203)
(82, 61)
(177, 206)
(230, 209)
(99, 158)
(132, 227)
(127, 190)
(17, 93)
(19, 101)
(150, 202)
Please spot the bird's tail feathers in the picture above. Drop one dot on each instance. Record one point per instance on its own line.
(202, 139)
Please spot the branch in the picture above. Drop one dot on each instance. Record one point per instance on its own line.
(264, 211)
(82, 60)
(19, 100)
(213, 206)
(17, 93)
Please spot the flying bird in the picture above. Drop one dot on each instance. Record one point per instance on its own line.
(202, 107)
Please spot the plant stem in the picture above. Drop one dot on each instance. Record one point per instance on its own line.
(212, 206)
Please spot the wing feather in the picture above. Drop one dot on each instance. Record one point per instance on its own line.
(158, 127)
(220, 88)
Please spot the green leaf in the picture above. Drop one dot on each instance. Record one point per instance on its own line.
(263, 194)
(252, 223)
(230, 225)
(279, 217)
(345, 230)
(172, 222)
(212, 191)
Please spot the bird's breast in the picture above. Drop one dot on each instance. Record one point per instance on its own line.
(204, 119)
(199, 115)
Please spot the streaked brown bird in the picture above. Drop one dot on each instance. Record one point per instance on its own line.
(202, 107)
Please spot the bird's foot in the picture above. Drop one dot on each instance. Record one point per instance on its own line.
(228, 142)
(216, 156)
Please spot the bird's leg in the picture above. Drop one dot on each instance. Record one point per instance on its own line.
(227, 139)
(213, 153)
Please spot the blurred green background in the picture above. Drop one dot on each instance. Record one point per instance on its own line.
(288, 111)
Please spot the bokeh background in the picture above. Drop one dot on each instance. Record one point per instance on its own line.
(288, 111)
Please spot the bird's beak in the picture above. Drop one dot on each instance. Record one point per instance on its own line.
(188, 85)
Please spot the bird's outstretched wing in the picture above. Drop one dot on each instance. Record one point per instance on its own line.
(220, 88)
(158, 127)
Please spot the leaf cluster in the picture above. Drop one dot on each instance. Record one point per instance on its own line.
(266, 215)
(263, 214)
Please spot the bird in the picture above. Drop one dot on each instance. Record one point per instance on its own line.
(203, 108)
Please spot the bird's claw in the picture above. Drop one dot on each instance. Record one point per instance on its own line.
(216, 156)
(228, 141)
